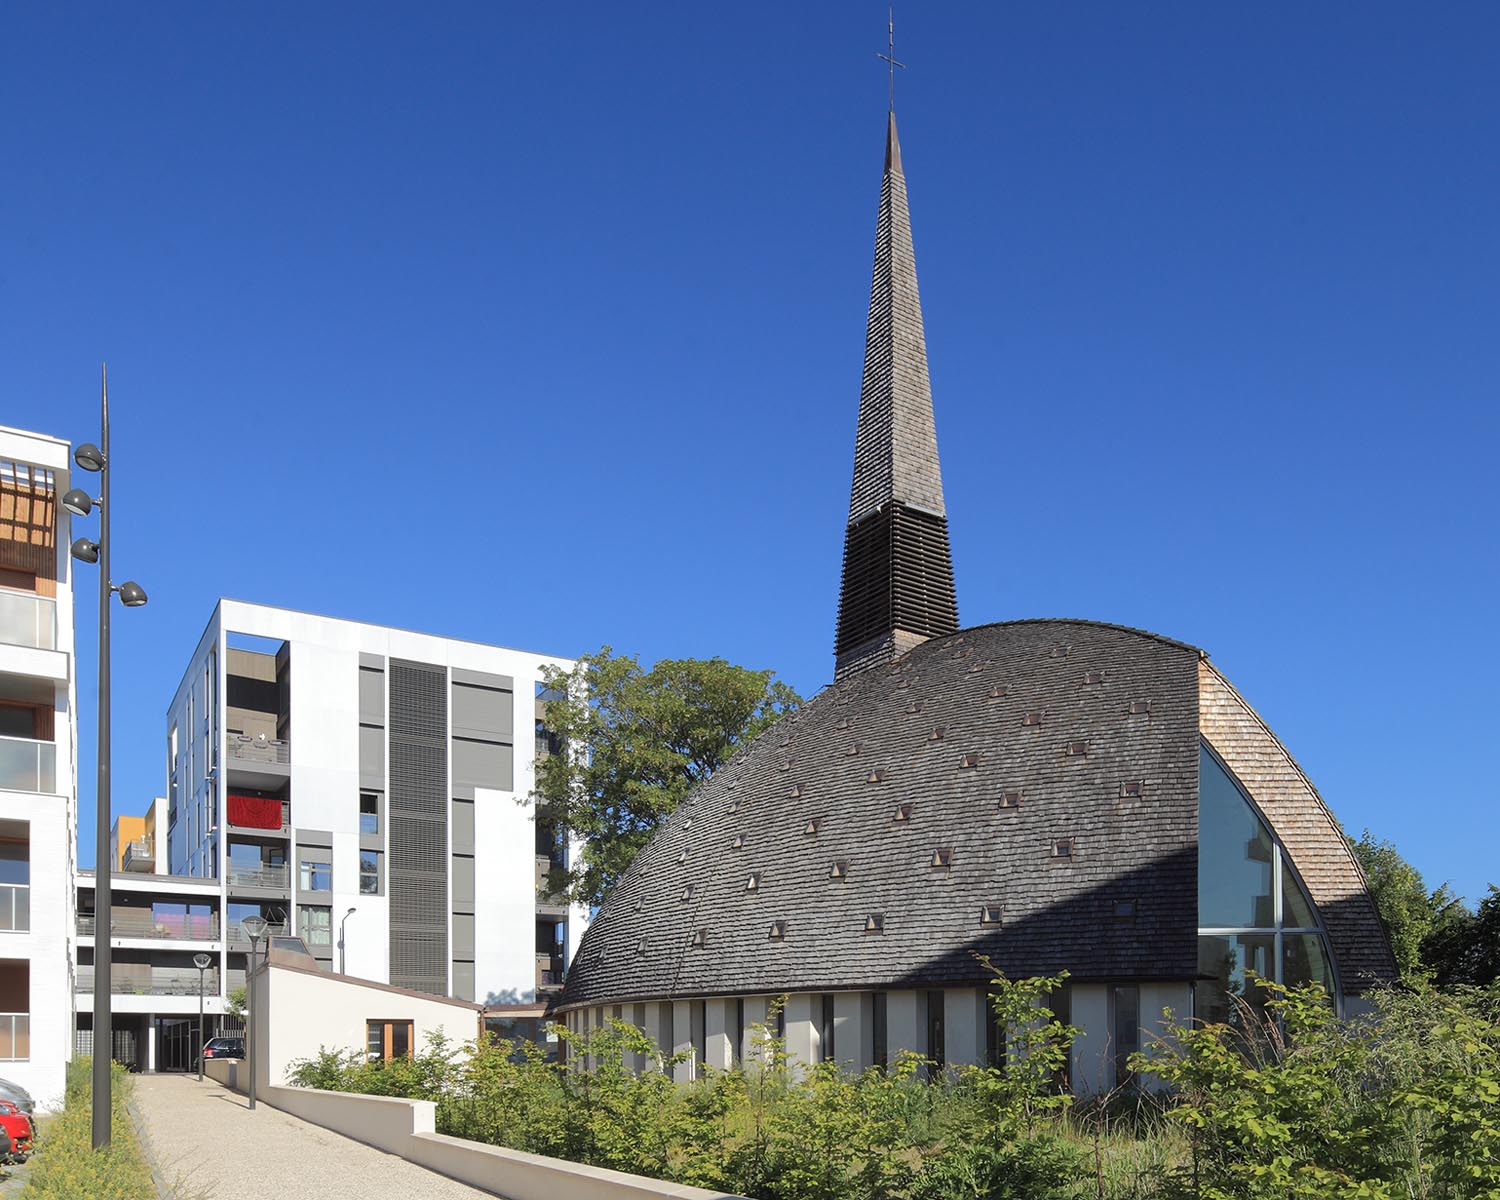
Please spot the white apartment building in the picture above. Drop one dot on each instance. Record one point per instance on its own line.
(38, 764)
(360, 787)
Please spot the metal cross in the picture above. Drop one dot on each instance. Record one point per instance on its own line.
(890, 56)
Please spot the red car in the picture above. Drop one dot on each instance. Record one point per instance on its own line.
(16, 1133)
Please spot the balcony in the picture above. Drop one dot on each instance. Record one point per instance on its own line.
(15, 907)
(140, 855)
(27, 765)
(547, 901)
(257, 877)
(239, 940)
(141, 923)
(244, 748)
(132, 979)
(28, 620)
(549, 971)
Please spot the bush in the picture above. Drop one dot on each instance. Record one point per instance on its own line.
(66, 1165)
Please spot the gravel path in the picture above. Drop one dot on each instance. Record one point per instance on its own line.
(210, 1146)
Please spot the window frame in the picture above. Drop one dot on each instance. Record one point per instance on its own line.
(387, 1028)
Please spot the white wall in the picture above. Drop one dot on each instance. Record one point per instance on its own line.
(306, 1010)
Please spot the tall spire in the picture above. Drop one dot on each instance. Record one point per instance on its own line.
(897, 586)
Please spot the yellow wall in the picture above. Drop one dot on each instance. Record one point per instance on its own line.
(127, 830)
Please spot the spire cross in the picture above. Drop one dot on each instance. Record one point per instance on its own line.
(890, 57)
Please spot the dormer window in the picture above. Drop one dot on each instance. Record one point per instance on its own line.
(839, 870)
(738, 843)
(1077, 749)
(1011, 799)
(902, 813)
(812, 828)
(778, 932)
(936, 735)
(752, 884)
(969, 761)
(942, 860)
(1140, 708)
(875, 923)
(699, 940)
(1031, 720)
(1062, 848)
(687, 892)
(989, 915)
(1133, 789)
(1093, 677)
(875, 777)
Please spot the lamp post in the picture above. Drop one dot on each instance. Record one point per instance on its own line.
(347, 915)
(202, 962)
(78, 502)
(255, 929)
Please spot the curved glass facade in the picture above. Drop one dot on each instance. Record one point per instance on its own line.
(1253, 913)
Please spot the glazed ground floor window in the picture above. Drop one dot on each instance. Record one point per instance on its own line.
(385, 1040)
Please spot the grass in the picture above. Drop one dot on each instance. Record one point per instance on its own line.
(66, 1166)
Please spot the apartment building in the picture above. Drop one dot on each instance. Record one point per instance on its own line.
(38, 764)
(364, 789)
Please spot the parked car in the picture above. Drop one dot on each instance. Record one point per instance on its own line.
(224, 1047)
(18, 1130)
(18, 1096)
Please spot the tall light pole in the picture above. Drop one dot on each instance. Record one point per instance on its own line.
(255, 929)
(80, 504)
(201, 961)
(347, 915)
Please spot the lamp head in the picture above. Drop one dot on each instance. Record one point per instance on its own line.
(202, 961)
(78, 502)
(132, 594)
(89, 457)
(85, 551)
(254, 927)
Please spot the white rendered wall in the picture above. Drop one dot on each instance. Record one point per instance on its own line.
(504, 888)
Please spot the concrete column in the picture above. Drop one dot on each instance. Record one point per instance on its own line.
(719, 1034)
(149, 1026)
(682, 1039)
(1155, 997)
(854, 1030)
(905, 1024)
(658, 1026)
(963, 1020)
(1091, 1064)
(802, 1041)
(755, 1015)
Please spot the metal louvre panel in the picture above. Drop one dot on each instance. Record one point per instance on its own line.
(418, 808)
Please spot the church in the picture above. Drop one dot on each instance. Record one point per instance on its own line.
(1053, 795)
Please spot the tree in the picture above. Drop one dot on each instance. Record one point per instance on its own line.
(1464, 946)
(1409, 911)
(632, 743)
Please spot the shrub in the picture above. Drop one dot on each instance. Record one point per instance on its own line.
(68, 1167)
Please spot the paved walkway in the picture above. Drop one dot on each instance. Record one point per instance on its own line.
(210, 1146)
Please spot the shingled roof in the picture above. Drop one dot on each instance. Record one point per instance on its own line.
(944, 783)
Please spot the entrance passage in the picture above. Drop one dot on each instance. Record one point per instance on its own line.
(175, 1049)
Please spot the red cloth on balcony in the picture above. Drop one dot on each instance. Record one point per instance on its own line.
(255, 812)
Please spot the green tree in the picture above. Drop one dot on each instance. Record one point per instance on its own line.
(1409, 911)
(1463, 946)
(632, 743)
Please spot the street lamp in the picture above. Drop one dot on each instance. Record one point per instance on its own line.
(202, 962)
(347, 915)
(255, 929)
(90, 458)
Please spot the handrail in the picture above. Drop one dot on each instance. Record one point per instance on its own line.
(246, 749)
(27, 765)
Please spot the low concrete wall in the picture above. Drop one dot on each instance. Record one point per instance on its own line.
(406, 1128)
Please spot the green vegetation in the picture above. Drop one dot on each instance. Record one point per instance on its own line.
(67, 1167)
(637, 741)
(1289, 1104)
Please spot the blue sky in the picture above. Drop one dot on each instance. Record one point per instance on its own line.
(543, 325)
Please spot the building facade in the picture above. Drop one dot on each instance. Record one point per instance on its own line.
(1034, 797)
(38, 764)
(364, 788)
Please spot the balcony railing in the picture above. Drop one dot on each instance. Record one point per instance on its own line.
(28, 620)
(15, 907)
(239, 940)
(15, 1036)
(27, 765)
(262, 877)
(140, 855)
(549, 971)
(131, 979)
(132, 923)
(248, 749)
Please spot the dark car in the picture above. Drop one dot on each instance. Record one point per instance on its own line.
(224, 1047)
(18, 1096)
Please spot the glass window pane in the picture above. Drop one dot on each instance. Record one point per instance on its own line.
(1296, 908)
(23, 1037)
(1224, 959)
(374, 1039)
(1127, 1031)
(7, 1042)
(1304, 959)
(400, 1038)
(1234, 854)
(23, 909)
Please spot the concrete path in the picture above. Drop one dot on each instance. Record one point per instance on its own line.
(210, 1146)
